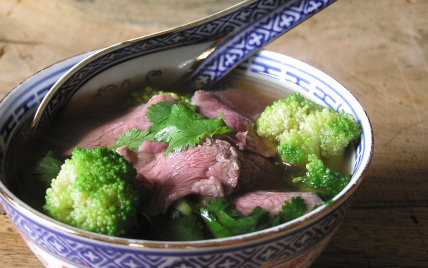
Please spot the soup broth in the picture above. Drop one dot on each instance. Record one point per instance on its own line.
(62, 135)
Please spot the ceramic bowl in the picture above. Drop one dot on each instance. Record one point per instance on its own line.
(294, 244)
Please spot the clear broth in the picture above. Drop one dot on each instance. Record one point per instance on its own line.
(62, 135)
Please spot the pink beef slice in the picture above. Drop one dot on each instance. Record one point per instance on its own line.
(272, 201)
(211, 169)
(106, 135)
(212, 104)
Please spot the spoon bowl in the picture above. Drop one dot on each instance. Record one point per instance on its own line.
(188, 57)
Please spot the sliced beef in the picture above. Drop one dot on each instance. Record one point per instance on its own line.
(106, 135)
(249, 103)
(212, 104)
(211, 169)
(272, 201)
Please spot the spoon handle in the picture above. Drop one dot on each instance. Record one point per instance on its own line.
(248, 29)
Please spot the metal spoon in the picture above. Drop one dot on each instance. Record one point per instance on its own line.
(196, 54)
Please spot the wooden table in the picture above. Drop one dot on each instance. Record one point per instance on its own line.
(377, 49)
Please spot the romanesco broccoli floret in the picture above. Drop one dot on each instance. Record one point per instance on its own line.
(334, 129)
(145, 95)
(94, 191)
(284, 114)
(323, 180)
(295, 146)
(302, 127)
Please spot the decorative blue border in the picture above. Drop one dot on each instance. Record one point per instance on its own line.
(98, 254)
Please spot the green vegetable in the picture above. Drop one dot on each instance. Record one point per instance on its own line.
(322, 180)
(183, 206)
(290, 211)
(302, 127)
(95, 191)
(176, 124)
(133, 138)
(295, 146)
(312, 136)
(180, 223)
(335, 129)
(223, 220)
(47, 169)
(183, 228)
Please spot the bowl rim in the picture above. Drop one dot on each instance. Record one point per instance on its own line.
(308, 218)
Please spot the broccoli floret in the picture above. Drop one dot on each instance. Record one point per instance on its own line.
(95, 191)
(313, 136)
(295, 146)
(323, 180)
(145, 95)
(284, 114)
(335, 130)
(302, 127)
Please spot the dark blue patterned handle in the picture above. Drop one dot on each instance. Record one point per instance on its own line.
(252, 27)
(237, 33)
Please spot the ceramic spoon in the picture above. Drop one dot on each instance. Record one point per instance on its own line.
(193, 55)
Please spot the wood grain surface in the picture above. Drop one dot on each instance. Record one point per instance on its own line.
(378, 49)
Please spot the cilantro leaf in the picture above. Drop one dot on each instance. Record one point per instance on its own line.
(133, 138)
(255, 221)
(290, 210)
(184, 128)
(159, 112)
(177, 124)
(223, 220)
(222, 204)
(218, 230)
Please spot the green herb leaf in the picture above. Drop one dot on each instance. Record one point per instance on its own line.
(176, 124)
(291, 210)
(223, 220)
(133, 138)
(159, 112)
(184, 129)
(218, 230)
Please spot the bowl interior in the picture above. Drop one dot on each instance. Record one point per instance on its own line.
(279, 73)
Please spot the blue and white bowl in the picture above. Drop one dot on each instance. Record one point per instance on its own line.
(294, 244)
